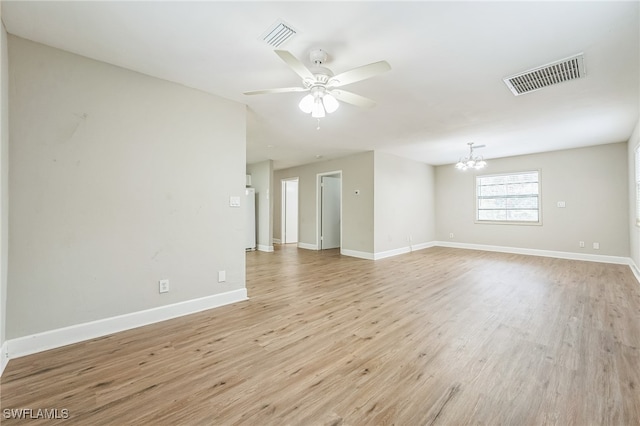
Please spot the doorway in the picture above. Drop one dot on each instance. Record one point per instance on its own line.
(289, 211)
(329, 210)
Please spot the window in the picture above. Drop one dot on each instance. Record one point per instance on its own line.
(637, 185)
(510, 198)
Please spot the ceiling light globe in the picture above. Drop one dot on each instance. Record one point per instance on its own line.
(331, 104)
(306, 104)
(318, 109)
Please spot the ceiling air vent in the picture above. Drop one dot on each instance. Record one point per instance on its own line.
(278, 33)
(547, 75)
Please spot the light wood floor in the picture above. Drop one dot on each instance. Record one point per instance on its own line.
(438, 336)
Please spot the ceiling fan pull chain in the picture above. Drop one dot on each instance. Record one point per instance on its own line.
(318, 128)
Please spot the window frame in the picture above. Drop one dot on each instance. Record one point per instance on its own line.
(509, 222)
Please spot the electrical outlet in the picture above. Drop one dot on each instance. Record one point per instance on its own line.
(450, 234)
(596, 246)
(222, 276)
(163, 286)
(581, 244)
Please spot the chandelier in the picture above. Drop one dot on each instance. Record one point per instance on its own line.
(471, 161)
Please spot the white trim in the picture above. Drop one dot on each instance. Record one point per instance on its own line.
(283, 208)
(536, 252)
(262, 247)
(402, 250)
(319, 177)
(358, 254)
(4, 356)
(391, 253)
(307, 246)
(423, 246)
(634, 269)
(51, 339)
(277, 241)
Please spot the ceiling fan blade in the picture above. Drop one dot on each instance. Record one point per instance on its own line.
(297, 66)
(280, 90)
(353, 99)
(359, 73)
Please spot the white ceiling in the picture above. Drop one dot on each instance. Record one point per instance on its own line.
(445, 88)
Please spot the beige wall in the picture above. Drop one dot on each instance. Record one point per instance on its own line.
(261, 179)
(634, 230)
(357, 210)
(404, 203)
(4, 178)
(592, 181)
(117, 180)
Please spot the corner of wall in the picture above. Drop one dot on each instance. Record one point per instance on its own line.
(4, 356)
(634, 231)
(4, 189)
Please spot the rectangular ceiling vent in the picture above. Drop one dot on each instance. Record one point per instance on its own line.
(547, 75)
(278, 34)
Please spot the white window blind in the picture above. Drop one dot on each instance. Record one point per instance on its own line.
(512, 198)
(637, 165)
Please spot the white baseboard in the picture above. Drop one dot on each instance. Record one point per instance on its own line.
(402, 250)
(4, 357)
(391, 253)
(634, 269)
(277, 241)
(619, 260)
(51, 339)
(358, 254)
(307, 246)
(265, 248)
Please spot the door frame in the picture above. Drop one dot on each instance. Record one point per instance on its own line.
(335, 173)
(283, 208)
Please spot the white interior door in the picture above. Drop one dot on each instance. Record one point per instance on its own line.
(290, 195)
(330, 212)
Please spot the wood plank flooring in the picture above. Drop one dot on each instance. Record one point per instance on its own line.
(438, 336)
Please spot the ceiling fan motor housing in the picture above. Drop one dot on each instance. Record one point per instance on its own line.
(318, 56)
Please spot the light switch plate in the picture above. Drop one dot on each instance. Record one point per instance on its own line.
(234, 201)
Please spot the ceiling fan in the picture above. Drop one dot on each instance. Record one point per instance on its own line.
(324, 87)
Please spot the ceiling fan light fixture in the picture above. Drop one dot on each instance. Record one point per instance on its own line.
(331, 104)
(320, 82)
(307, 103)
